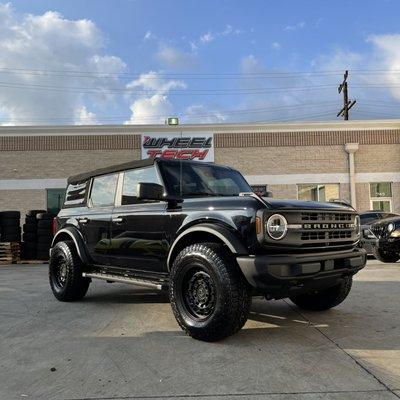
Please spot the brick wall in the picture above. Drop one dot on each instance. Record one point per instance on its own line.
(284, 160)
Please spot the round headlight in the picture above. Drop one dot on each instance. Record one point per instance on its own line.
(390, 227)
(276, 226)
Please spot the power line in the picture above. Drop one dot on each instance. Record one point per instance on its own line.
(270, 74)
(194, 115)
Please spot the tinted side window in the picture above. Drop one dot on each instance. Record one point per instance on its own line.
(103, 190)
(131, 180)
(368, 218)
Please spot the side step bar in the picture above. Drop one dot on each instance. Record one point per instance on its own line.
(124, 279)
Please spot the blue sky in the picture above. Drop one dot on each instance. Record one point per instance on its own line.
(205, 61)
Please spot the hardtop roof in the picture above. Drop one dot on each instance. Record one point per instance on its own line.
(80, 178)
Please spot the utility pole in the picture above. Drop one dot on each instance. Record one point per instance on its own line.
(347, 104)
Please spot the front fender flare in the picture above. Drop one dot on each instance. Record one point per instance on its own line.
(224, 234)
(77, 238)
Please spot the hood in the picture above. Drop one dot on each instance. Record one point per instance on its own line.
(385, 221)
(305, 205)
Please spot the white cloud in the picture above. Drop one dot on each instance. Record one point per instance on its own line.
(206, 38)
(35, 50)
(154, 81)
(172, 57)
(227, 31)
(85, 117)
(151, 104)
(199, 114)
(150, 110)
(211, 36)
(387, 56)
(149, 35)
(276, 45)
(299, 25)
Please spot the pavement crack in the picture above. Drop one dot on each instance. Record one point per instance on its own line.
(310, 323)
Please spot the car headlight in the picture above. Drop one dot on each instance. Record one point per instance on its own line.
(276, 226)
(390, 228)
(395, 233)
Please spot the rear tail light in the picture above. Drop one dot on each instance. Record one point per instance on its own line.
(54, 226)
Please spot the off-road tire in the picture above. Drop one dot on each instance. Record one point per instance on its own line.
(11, 238)
(32, 213)
(43, 232)
(9, 222)
(386, 256)
(29, 237)
(45, 240)
(10, 214)
(11, 230)
(45, 224)
(75, 286)
(232, 293)
(30, 220)
(324, 299)
(44, 216)
(29, 228)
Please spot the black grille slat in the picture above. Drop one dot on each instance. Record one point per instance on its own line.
(326, 235)
(325, 216)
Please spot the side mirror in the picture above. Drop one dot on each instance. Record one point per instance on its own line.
(268, 194)
(150, 191)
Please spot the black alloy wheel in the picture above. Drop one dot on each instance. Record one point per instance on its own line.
(199, 292)
(209, 295)
(65, 272)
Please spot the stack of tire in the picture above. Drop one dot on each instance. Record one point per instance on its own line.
(29, 235)
(37, 235)
(10, 229)
(44, 235)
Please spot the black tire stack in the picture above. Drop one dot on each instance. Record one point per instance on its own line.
(10, 228)
(44, 235)
(29, 236)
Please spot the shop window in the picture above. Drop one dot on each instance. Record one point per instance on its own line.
(324, 192)
(55, 200)
(381, 196)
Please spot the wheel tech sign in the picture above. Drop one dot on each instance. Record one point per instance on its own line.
(179, 146)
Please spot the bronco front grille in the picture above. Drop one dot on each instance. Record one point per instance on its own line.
(325, 216)
(326, 235)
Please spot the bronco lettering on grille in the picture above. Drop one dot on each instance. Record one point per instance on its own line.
(329, 226)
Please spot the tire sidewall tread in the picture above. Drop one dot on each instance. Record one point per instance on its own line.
(233, 294)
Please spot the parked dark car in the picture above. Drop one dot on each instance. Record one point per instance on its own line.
(368, 240)
(387, 245)
(198, 230)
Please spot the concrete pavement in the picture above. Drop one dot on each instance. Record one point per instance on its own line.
(122, 342)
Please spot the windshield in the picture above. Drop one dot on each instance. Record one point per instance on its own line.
(200, 180)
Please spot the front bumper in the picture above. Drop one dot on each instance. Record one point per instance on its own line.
(282, 275)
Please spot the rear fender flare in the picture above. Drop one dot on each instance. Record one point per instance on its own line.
(76, 237)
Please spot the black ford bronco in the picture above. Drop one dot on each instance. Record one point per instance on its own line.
(197, 230)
